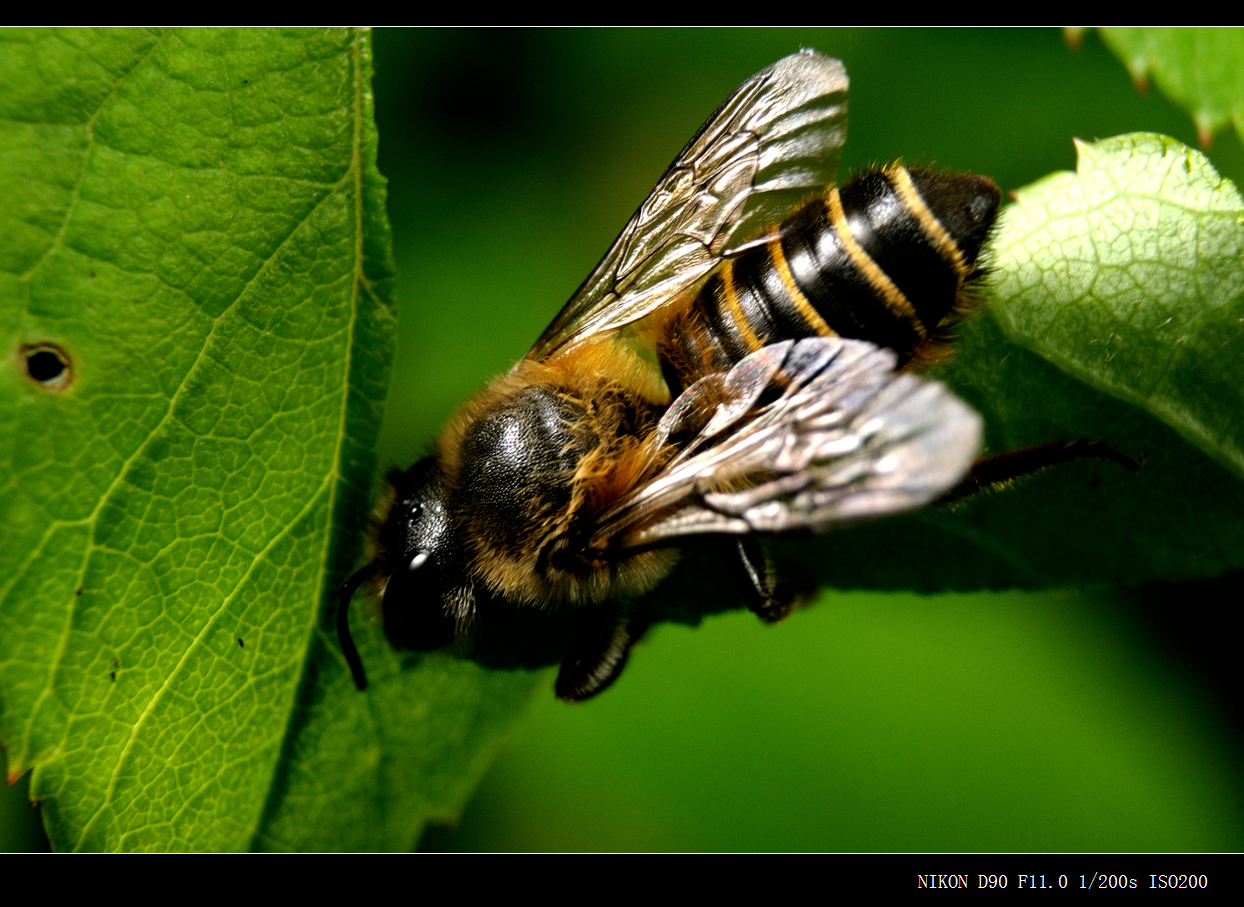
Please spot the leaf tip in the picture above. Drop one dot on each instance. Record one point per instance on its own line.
(1204, 133)
(1138, 69)
(1073, 35)
(1081, 147)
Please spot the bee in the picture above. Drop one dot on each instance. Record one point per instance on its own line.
(738, 364)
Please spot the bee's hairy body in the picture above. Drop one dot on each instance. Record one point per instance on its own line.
(538, 454)
(731, 368)
(529, 462)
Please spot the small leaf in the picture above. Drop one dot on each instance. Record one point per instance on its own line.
(1128, 275)
(1200, 69)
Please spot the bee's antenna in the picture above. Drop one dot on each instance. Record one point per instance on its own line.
(348, 588)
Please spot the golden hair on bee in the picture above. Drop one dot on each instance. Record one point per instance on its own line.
(563, 439)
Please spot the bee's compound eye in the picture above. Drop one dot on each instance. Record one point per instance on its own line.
(47, 365)
(417, 561)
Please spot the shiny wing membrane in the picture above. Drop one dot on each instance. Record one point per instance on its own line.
(772, 142)
(810, 434)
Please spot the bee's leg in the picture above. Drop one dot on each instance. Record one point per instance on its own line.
(997, 471)
(597, 653)
(772, 601)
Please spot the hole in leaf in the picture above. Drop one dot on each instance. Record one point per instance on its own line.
(47, 365)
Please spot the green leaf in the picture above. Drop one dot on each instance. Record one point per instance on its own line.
(194, 220)
(1200, 69)
(1127, 275)
(1117, 315)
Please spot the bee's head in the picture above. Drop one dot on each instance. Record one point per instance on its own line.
(428, 599)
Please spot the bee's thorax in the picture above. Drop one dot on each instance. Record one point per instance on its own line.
(529, 462)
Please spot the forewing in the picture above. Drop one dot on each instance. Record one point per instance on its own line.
(772, 142)
(811, 434)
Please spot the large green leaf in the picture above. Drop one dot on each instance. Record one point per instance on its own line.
(195, 219)
(1200, 69)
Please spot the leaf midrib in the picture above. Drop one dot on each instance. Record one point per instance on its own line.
(270, 802)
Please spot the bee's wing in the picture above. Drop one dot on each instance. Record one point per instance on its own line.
(772, 142)
(810, 434)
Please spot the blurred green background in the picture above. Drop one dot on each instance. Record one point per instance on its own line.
(1016, 721)
(1063, 720)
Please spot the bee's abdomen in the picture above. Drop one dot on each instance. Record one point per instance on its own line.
(884, 259)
